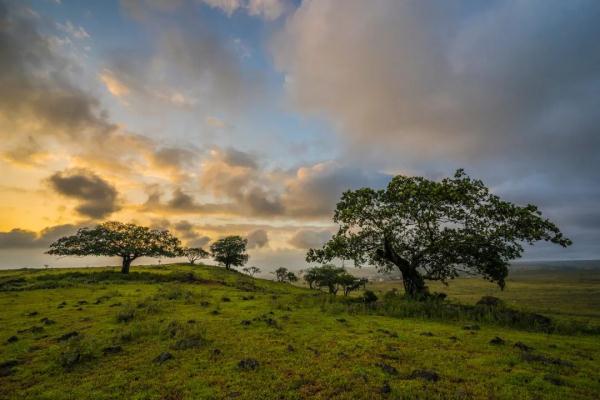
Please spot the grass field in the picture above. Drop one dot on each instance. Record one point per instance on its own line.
(181, 332)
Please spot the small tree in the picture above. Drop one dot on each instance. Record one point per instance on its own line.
(327, 276)
(251, 270)
(194, 254)
(112, 239)
(230, 251)
(433, 230)
(351, 283)
(283, 275)
(291, 277)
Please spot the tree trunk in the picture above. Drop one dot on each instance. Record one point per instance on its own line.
(126, 264)
(414, 284)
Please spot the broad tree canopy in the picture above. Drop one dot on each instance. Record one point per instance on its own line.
(434, 230)
(128, 241)
(194, 254)
(230, 251)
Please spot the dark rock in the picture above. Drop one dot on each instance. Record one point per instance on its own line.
(6, 367)
(188, 343)
(522, 346)
(162, 357)
(247, 297)
(497, 341)
(248, 364)
(204, 303)
(115, 305)
(216, 352)
(424, 374)
(341, 320)
(387, 368)
(386, 388)
(215, 312)
(246, 322)
(47, 321)
(490, 301)
(225, 299)
(290, 348)
(546, 360)
(555, 380)
(473, 327)
(32, 313)
(33, 329)
(426, 334)
(68, 336)
(453, 338)
(191, 321)
(112, 350)
(12, 339)
(82, 302)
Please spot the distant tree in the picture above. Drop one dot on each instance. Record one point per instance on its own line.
(291, 277)
(230, 251)
(433, 230)
(310, 276)
(194, 254)
(251, 270)
(283, 275)
(326, 276)
(350, 283)
(128, 241)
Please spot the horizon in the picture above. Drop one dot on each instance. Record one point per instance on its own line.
(251, 117)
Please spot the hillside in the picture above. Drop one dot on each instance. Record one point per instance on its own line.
(181, 332)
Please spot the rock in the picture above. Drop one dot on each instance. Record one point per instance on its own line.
(162, 357)
(290, 348)
(453, 338)
(490, 301)
(32, 313)
(47, 321)
(204, 303)
(12, 339)
(387, 368)
(555, 380)
(82, 302)
(497, 341)
(191, 321)
(473, 327)
(426, 334)
(546, 360)
(215, 312)
(248, 364)
(341, 320)
(115, 305)
(225, 299)
(33, 329)
(68, 336)
(246, 322)
(522, 346)
(424, 374)
(112, 350)
(188, 343)
(216, 352)
(386, 388)
(6, 367)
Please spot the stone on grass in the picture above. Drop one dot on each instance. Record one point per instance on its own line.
(473, 327)
(248, 364)
(546, 360)
(497, 340)
(522, 346)
(424, 374)
(426, 334)
(554, 379)
(32, 313)
(47, 321)
(388, 369)
(12, 339)
(6, 367)
(162, 357)
(246, 322)
(68, 336)
(386, 388)
(112, 350)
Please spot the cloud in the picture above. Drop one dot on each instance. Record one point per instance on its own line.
(266, 9)
(97, 197)
(26, 239)
(308, 238)
(257, 239)
(77, 32)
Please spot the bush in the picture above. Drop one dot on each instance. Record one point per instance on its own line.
(126, 314)
(369, 297)
(78, 349)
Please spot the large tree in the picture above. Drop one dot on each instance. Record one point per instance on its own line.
(230, 251)
(128, 241)
(434, 230)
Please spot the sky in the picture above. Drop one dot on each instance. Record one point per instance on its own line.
(251, 117)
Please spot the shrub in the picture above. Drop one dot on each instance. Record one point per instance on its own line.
(78, 349)
(126, 314)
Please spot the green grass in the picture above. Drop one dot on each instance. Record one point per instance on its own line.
(306, 344)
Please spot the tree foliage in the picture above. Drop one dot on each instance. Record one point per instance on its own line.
(251, 270)
(194, 254)
(284, 275)
(230, 251)
(332, 278)
(128, 241)
(434, 230)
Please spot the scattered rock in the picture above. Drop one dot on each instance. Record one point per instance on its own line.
(386, 388)
(162, 357)
(215, 312)
(188, 343)
(490, 301)
(112, 350)
(82, 302)
(555, 380)
(389, 333)
(6, 367)
(453, 338)
(424, 374)
(522, 346)
(225, 299)
(12, 339)
(497, 341)
(47, 321)
(388, 369)
(32, 313)
(290, 348)
(246, 322)
(204, 303)
(553, 346)
(426, 334)
(62, 305)
(474, 327)
(389, 357)
(546, 360)
(115, 305)
(248, 364)
(33, 329)
(216, 352)
(68, 336)
(247, 297)
(341, 320)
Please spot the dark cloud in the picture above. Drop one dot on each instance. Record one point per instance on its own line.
(309, 238)
(25, 239)
(200, 241)
(237, 158)
(257, 239)
(98, 198)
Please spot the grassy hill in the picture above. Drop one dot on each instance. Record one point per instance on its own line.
(181, 332)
